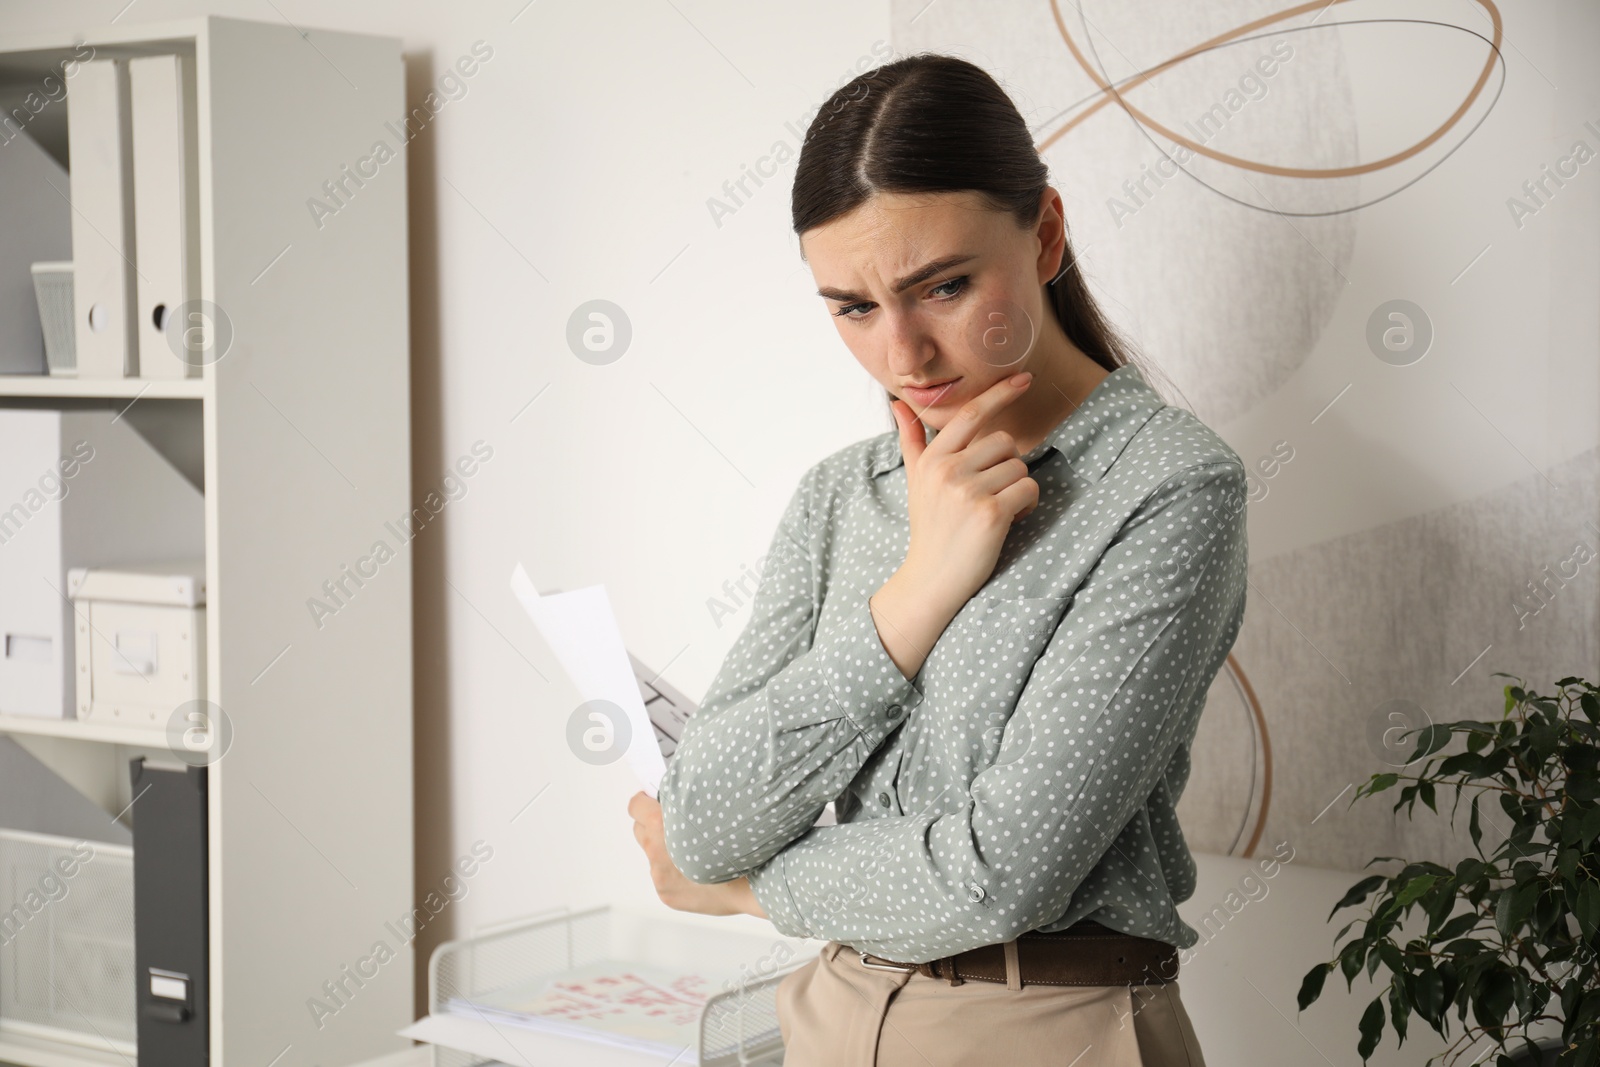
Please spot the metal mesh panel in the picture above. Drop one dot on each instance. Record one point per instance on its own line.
(66, 939)
(53, 291)
(749, 1014)
(449, 1057)
(496, 961)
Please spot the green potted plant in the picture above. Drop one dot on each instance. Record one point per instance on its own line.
(1510, 937)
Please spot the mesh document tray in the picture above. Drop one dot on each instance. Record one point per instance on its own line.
(738, 1026)
(66, 945)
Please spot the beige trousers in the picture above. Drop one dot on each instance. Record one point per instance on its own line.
(836, 1012)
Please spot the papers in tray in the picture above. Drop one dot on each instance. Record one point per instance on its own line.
(628, 1005)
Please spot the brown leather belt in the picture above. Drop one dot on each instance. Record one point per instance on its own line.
(1085, 953)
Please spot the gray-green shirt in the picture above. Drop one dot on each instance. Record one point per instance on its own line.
(1027, 776)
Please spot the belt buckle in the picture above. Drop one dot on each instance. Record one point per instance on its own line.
(884, 965)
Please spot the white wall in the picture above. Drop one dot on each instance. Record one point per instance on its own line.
(577, 166)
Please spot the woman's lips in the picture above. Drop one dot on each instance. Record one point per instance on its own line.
(930, 395)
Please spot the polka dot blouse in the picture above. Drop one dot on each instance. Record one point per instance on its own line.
(1027, 776)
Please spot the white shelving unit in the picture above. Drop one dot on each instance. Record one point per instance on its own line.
(18, 385)
(303, 429)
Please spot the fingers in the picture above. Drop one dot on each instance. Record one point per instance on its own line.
(991, 480)
(960, 431)
(1020, 497)
(638, 804)
(994, 447)
(913, 438)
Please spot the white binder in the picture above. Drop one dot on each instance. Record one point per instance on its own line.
(166, 209)
(100, 149)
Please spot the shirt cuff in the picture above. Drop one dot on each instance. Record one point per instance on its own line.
(866, 686)
(771, 888)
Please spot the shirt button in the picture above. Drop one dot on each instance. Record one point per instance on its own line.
(975, 893)
(893, 711)
(883, 798)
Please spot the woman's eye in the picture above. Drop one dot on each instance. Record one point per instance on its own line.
(945, 291)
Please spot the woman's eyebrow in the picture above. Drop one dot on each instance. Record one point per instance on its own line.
(921, 274)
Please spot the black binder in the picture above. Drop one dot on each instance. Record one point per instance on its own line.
(169, 914)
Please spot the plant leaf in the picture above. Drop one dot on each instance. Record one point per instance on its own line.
(1428, 993)
(1513, 907)
(1389, 953)
(1399, 1007)
(1494, 998)
(1430, 740)
(1311, 984)
(1587, 910)
(1414, 889)
(1458, 926)
(1350, 960)
(1441, 907)
(1357, 893)
(1371, 1029)
(1378, 784)
(1589, 829)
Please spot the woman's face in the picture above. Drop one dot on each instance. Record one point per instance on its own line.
(937, 295)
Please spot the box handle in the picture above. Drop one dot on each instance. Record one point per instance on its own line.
(136, 652)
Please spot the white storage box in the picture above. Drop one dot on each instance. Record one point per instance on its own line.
(139, 641)
(78, 488)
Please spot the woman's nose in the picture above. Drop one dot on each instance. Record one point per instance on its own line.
(908, 347)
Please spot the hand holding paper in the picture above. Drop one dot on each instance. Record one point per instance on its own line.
(581, 629)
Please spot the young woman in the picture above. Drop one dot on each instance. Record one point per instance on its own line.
(989, 647)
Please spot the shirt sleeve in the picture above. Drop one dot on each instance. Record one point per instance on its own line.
(1119, 686)
(792, 714)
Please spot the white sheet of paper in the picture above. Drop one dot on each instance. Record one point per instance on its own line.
(582, 631)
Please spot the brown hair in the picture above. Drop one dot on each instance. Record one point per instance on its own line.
(935, 123)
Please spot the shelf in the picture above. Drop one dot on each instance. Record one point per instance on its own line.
(113, 388)
(110, 733)
(27, 1051)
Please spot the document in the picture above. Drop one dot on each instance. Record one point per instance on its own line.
(582, 631)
